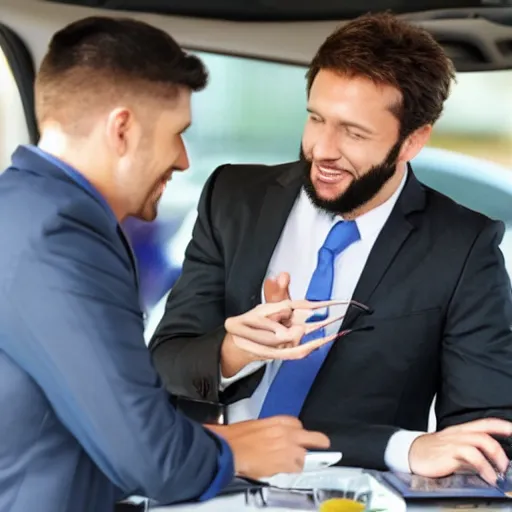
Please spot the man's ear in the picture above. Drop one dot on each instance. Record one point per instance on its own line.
(119, 123)
(414, 143)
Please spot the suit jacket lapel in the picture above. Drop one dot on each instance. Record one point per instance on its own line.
(392, 237)
(278, 200)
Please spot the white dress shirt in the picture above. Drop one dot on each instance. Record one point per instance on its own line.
(299, 259)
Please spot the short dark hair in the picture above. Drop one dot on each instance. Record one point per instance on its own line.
(98, 54)
(391, 51)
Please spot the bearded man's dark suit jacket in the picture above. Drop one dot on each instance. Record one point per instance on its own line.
(435, 279)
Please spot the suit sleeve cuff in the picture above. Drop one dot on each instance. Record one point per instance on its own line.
(225, 469)
(396, 455)
(244, 372)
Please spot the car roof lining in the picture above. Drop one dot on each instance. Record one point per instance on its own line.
(483, 45)
(281, 10)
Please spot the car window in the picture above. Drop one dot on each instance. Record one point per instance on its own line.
(470, 154)
(13, 127)
(253, 111)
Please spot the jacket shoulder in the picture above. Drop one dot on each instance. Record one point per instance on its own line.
(459, 218)
(33, 205)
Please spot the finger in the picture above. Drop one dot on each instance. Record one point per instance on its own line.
(265, 351)
(287, 336)
(286, 421)
(293, 353)
(271, 308)
(283, 280)
(260, 430)
(290, 335)
(261, 329)
(276, 289)
(261, 323)
(474, 457)
(283, 317)
(260, 349)
(304, 349)
(313, 304)
(491, 448)
(257, 336)
(309, 439)
(271, 291)
(300, 316)
(314, 326)
(256, 349)
(487, 425)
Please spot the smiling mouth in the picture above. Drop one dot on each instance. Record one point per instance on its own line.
(332, 175)
(162, 183)
(167, 175)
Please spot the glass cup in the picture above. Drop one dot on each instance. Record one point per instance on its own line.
(335, 492)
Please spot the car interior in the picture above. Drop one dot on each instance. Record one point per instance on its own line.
(253, 109)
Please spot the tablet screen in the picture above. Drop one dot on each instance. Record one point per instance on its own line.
(454, 486)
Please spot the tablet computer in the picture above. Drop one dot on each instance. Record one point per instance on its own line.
(460, 485)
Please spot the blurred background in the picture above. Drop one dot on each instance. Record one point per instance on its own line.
(253, 111)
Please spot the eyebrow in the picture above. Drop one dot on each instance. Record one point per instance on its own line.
(349, 124)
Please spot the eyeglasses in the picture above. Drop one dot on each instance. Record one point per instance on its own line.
(318, 321)
(294, 328)
(304, 314)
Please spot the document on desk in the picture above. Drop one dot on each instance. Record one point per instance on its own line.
(315, 461)
(467, 485)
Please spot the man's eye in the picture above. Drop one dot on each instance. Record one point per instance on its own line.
(356, 136)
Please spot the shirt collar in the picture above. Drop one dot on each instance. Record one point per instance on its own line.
(370, 223)
(75, 175)
(373, 221)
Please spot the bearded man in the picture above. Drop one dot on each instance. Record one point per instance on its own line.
(349, 221)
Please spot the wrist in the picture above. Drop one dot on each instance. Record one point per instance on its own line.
(398, 449)
(226, 432)
(413, 455)
(232, 358)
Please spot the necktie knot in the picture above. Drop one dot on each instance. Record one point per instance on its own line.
(341, 235)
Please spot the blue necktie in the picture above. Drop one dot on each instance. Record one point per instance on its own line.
(294, 379)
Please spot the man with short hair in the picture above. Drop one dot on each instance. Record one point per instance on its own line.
(85, 419)
(351, 221)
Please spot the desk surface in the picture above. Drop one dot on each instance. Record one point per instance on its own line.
(383, 499)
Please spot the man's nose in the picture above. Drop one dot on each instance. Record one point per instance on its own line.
(326, 147)
(182, 163)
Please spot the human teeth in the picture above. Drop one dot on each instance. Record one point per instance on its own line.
(329, 171)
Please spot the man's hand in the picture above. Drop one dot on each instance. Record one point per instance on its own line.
(467, 446)
(262, 448)
(234, 358)
(274, 331)
(276, 289)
